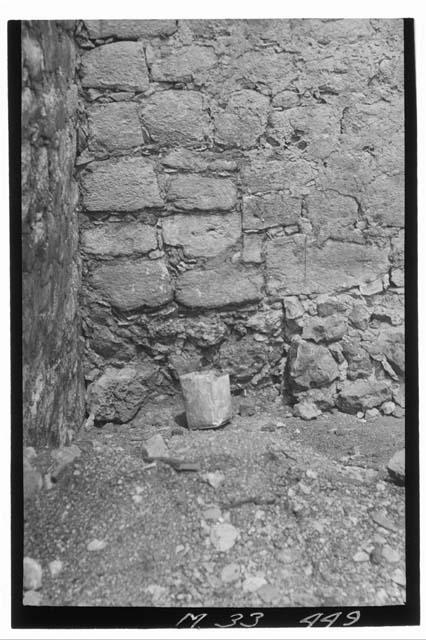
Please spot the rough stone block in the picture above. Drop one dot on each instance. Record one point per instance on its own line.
(312, 130)
(383, 200)
(129, 29)
(188, 63)
(123, 185)
(176, 118)
(252, 248)
(218, 287)
(133, 285)
(243, 120)
(363, 394)
(311, 365)
(119, 239)
(120, 65)
(119, 393)
(202, 235)
(245, 358)
(197, 192)
(329, 329)
(331, 212)
(359, 363)
(295, 266)
(270, 210)
(268, 68)
(114, 126)
(265, 173)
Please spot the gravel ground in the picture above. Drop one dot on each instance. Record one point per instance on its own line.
(315, 520)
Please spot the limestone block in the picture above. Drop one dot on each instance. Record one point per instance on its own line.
(132, 285)
(114, 126)
(176, 118)
(207, 398)
(252, 248)
(330, 211)
(270, 210)
(295, 266)
(243, 120)
(329, 329)
(314, 130)
(311, 365)
(265, 173)
(188, 63)
(129, 29)
(120, 65)
(359, 363)
(197, 192)
(116, 239)
(363, 394)
(202, 235)
(269, 68)
(119, 393)
(218, 287)
(124, 185)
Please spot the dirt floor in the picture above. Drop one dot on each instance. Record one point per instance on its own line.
(293, 513)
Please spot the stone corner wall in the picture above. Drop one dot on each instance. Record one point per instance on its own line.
(242, 208)
(53, 385)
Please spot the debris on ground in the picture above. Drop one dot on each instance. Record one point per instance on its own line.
(396, 467)
(214, 479)
(223, 536)
(154, 447)
(33, 574)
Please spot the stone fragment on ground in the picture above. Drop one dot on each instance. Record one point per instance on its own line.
(32, 599)
(96, 545)
(306, 410)
(247, 407)
(212, 513)
(380, 518)
(55, 568)
(396, 467)
(253, 583)
(33, 574)
(214, 478)
(398, 576)
(33, 480)
(154, 447)
(223, 536)
(268, 593)
(230, 573)
(389, 554)
(361, 556)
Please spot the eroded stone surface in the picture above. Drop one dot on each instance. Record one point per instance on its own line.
(132, 285)
(191, 192)
(119, 393)
(123, 185)
(115, 126)
(202, 235)
(119, 239)
(243, 119)
(120, 65)
(311, 365)
(130, 29)
(270, 210)
(295, 266)
(218, 287)
(176, 117)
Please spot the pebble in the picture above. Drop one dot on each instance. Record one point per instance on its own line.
(137, 499)
(380, 518)
(96, 545)
(269, 593)
(223, 536)
(396, 467)
(311, 474)
(361, 556)
(360, 415)
(371, 414)
(55, 568)
(214, 478)
(390, 555)
(212, 513)
(32, 574)
(306, 410)
(388, 407)
(180, 548)
(155, 447)
(230, 573)
(156, 591)
(29, 452)
(253, 583)
(399, 578)
(288, 556)
(32, 599)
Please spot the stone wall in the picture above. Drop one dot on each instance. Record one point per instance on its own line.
(242, 196)
(53, 384)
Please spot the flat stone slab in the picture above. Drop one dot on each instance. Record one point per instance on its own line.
(218, 287)
(133, 285)
(120, 65)
(124, 185)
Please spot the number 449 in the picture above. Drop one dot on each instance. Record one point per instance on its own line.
(352, 617)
